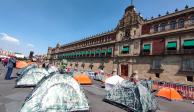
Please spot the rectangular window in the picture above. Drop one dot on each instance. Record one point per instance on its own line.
(97, 52)
(146, 48)
(173, 25)
(92, 53)
(188, 44)
(155, 28)
(162, 26)
(188, 65)
(103, 51)
(157, 75)
(109, 51)
(172, 46)
(125, 49)
(156, 64)
(190, 78)
(87, 53)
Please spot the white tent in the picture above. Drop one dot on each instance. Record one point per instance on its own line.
(52, 69)
(31, 77)
(112, 81)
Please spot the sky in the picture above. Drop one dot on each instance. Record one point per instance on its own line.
(35, 25)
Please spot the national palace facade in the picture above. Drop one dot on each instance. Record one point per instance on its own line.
(161, 48)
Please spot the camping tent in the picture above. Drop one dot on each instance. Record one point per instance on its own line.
(82, 78)
(147, 84)
(27, 68)
(134, 97)
(169, 93)
(112, 81)
(99, 76)
(56, 93)
(31, 77)
(21, 64)
(53, 69)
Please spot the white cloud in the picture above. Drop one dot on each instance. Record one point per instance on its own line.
(30, 45)
(7, 38)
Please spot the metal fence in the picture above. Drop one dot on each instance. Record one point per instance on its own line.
(187, 91)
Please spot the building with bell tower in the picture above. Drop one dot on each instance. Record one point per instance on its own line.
(161, 47)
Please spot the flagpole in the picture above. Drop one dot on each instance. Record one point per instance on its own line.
(131, 2)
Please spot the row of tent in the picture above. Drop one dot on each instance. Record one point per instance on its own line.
(136, 98)
(53, 92)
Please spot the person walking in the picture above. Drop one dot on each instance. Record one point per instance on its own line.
(10, 66)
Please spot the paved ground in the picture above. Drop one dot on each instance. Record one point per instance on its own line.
(95, 91)
(11, 98)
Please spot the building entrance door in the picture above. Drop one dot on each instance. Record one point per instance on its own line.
(124, 70)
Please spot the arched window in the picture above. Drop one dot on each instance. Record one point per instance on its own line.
(162, 26)
(181, 23)
(192, 19)
(173, 25)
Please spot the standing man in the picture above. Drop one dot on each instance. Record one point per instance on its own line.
(134, 77)
(10, 66)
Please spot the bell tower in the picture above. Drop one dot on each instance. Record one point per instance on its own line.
(131, 20)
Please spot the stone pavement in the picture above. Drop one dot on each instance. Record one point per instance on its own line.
(11, 99)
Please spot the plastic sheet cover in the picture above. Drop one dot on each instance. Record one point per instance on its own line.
(135, 97)
(31, 77)
(26, 69)
(56, 93)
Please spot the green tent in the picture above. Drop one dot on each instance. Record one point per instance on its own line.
(31, 77)
(26, 69)
(134, 97)
(56, 93)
